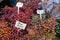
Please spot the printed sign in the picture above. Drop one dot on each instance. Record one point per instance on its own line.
(20, 25)
(40, 11)
(19, 4)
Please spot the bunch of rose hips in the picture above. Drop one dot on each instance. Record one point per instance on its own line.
(48, 25)
(10, 14)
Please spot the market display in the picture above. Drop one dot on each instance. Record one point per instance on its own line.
(47, 28)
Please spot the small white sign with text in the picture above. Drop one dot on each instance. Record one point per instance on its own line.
(20, 25)
(40, 11)
(19, 4)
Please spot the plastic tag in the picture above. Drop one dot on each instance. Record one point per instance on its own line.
(20, 25)
(19, 4)
(42, 0)
(40, 11)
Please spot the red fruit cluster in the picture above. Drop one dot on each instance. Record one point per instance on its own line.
(35, 1)
(48, 25)
(10, 33)
(10, 14)
(31, 3)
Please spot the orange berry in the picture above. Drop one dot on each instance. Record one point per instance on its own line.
(48, 30)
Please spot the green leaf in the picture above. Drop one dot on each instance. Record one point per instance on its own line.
(56, 38)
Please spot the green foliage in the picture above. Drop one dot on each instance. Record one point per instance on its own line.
(56, 38)
(57, 30)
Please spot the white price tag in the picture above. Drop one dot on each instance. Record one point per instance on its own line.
(42, 0)
(40, 12)
(20, 25)
(19, 4)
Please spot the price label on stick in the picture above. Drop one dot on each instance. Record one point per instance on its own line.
(20, 25)
(40, 12)
(19, 4)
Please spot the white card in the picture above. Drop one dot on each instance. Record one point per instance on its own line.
(20, 25)
(40, 12)
(19, 4)
(42, 0)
